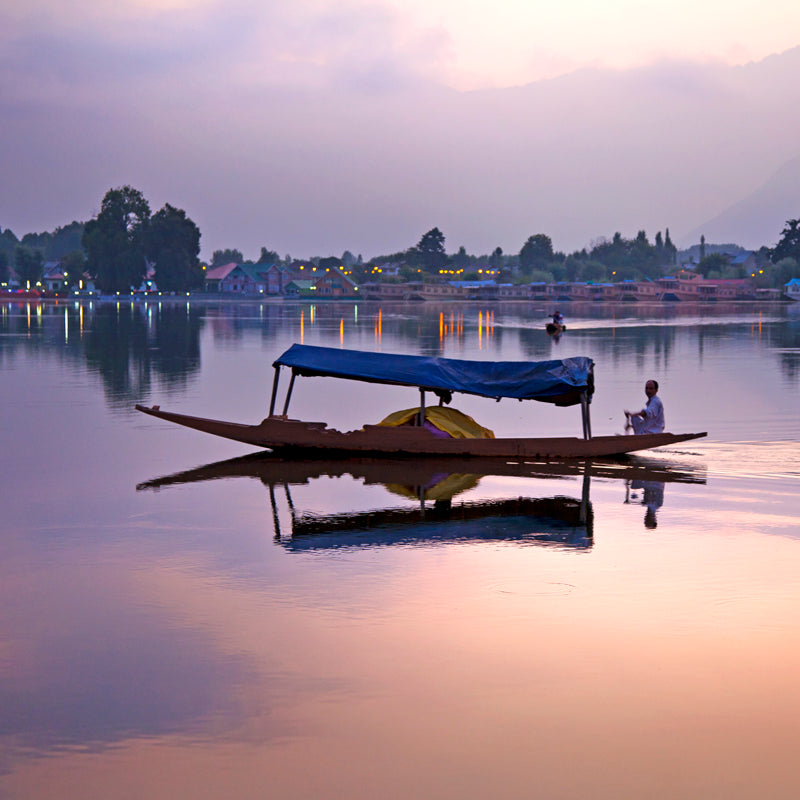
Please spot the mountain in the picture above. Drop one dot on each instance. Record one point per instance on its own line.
(757, 219)
(320, 170)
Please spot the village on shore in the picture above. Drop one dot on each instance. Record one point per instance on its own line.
(126, 250)
(306, 281)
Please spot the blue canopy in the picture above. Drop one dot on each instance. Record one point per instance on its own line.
(559, 381)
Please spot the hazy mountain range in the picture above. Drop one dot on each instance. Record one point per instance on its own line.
(699, 149)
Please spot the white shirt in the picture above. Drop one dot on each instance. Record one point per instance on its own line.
(652, 420)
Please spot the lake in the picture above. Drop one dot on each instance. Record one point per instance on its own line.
(179, 618)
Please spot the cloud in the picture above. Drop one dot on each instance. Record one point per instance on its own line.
(98, 50)
(312, 128)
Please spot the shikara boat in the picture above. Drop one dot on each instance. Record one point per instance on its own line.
(555, 327)
(565, 382)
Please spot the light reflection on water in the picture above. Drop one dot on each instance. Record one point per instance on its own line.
(173, 623)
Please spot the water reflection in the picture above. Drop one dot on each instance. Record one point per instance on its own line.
(442, 493)
(649, 494)
(131, 343)
(196, 654)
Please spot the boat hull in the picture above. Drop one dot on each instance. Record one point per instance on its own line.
(288, 436)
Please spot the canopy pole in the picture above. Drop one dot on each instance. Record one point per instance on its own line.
(588, 415)
(585, 492)
(274, 390)
(289, 394)
(587, 426)
(276, 524)
(421, 420)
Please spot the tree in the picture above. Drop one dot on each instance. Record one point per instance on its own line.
(221, 257)
(73, 265)
(431, 252)
(783, 272)
(536, 253)
(714, 264)
(28, 265)
(114, 240)
(789, 244)
(593, 271)
(172, 242)
(460, 260)
(8, 243)
(670, 251)
(4, 268)
(329, 262)
(629, 258)
(496, 260)
(268, 257)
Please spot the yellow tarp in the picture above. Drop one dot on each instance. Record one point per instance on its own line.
(449, 420)
(445, 489)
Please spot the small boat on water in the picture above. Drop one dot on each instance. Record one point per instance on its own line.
(554, 328)
(420, 432)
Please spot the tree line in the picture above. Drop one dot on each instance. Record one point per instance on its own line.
(120, 246)
(117, 248)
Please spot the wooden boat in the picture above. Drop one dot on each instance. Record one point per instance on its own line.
(564, 382)
(554, 328)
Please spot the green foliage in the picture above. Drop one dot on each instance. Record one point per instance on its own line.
(408, 272)
(331, 262)
(172, 243)
(539, 275)
(789, 244)
(536, 253)
(350, 261)
(572, 268)
(430, 251)
(8, 243)
(670, 254)
(593, 271)
(221, 257)
(267, 257)
(460, 260)
(781, 273)
(628, 259)
(56, 245)
(28, 265)
(496, 260)
(73, 265)
(713, 265)
(114, 240)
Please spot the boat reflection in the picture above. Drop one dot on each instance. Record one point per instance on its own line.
(647, 493)
(436, 513)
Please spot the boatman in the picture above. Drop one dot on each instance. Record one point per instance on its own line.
(651, 418)
(558, 318)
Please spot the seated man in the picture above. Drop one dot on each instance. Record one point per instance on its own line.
(651, 418)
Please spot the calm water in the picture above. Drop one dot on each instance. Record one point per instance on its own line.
(173, 626)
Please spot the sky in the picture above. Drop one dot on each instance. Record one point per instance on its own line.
(264, 120)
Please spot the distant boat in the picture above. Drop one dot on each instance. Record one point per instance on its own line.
(565, 382)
